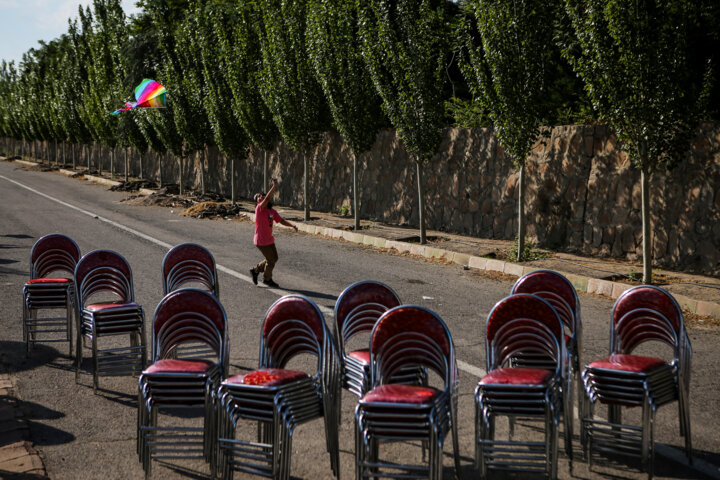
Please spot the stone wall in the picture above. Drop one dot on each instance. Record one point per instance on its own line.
(582, 194)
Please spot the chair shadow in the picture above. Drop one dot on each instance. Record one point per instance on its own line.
(184, 471)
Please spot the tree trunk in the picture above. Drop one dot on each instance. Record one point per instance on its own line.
(646, 234)
(203, 159)
(265, 172)
(141, 155)
(159, 159)
(356, 212)
(74, 151)
(306, 216)
(112, 162)
(521, 214)
(182, 176)
(87, 156)
(233, 192)
(126, 164)
(421, 201)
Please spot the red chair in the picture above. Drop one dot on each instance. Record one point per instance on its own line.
(356, 310)
(405, 337)
(53, 253)
(106, 308)
(561, 294)
(518, 325)
(189, 264)
(641, 314)
(280, 399)
(194, 316)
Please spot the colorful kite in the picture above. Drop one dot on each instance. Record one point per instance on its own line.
(149, 94)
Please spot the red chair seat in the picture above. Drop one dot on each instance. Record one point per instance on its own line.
(267, 377)
(98, 307)
(628, 363)
(179, 366)
(362, 356)
(36, 281)
(517, 376)
(401, 394)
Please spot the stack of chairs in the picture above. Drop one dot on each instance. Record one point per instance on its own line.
(106, 308)
(623, 379)
(186, 315)
(561, 294)
(53, 253)
(280, 399)
(404, 338)
(521, 324)
(356, 310)
(190, 265)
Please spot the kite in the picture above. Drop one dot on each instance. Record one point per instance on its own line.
(149, 94)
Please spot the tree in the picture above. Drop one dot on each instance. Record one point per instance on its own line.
(241, 57)
(334, 48)
(287, 81)
(405, 48)
(227, 131)
(633, 57)
(507, 72)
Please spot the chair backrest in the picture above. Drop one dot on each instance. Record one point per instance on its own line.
(407, 336)
(646, 313)
(189, 263)
(103, 271)
(53, 253)
(359, 306)
(293, 325)
(190, 316)
(556, 289)
(523, 323)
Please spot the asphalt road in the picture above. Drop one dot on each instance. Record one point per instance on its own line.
(83, 435)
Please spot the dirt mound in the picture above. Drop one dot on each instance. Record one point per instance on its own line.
(11, 158)
(213, 210)
(39, 168)
(133, 186)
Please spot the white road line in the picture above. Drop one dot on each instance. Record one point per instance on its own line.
(464, 366)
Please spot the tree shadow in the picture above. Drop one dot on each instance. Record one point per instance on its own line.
(17, 235)
(16, 427)
(6, 475)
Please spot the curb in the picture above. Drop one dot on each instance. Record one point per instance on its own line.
(582, 284)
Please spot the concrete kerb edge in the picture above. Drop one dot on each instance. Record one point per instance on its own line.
(582, 284)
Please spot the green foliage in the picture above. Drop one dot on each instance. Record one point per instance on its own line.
(227, 131)
(344, 210)
(633, 57)
(530, 251)
(405, 45)
(467, 113)
(334, 48)
(507, 68)
(240, 59)
(287, 80)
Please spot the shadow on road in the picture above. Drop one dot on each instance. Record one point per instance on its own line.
(13, 358)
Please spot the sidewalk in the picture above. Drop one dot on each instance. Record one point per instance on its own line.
(697, 294)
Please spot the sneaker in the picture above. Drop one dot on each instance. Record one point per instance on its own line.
(254, 275)
(271, 283)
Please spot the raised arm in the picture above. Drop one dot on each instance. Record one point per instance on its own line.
(270, 193)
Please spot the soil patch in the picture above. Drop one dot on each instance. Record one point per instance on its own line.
(213, 210)
(160, 200)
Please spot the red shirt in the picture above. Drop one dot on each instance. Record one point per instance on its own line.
(264, 218)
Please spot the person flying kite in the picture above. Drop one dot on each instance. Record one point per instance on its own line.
(149, 94)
